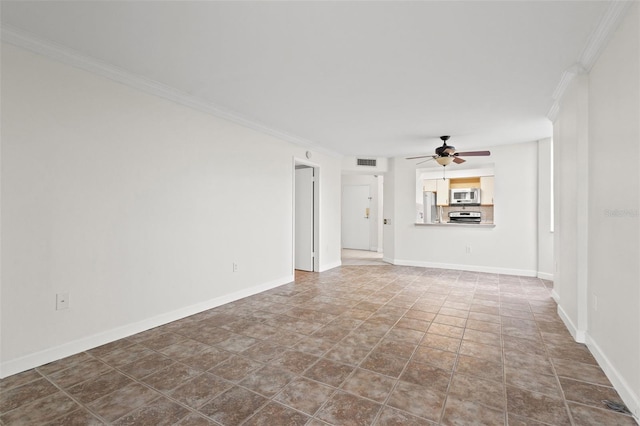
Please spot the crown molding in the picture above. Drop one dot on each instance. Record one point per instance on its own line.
(603, 32)
(553, 111)
(564, 82)
(598, 39)
(71, 57)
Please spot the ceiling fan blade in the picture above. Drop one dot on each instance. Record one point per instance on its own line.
(473, 154)
(429, 159)
(458, 160)
(420, 156)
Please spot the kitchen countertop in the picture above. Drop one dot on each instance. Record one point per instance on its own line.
(478, 225)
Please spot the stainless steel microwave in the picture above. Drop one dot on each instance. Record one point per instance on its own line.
(468, 196)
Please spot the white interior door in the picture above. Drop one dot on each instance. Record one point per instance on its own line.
(355, 217)
(304, 219)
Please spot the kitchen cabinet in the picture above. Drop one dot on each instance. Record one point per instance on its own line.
(442, 190)
(486, 188)
(429, 185)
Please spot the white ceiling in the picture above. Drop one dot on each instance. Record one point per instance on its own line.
(357, 78)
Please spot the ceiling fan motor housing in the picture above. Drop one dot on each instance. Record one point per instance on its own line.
(445, 150)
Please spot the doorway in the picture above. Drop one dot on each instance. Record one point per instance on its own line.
(355, 202)
(356, 213)
(305, 240)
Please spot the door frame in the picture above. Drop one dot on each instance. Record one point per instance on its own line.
(316, 212)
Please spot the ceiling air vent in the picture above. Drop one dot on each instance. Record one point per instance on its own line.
(370, 162)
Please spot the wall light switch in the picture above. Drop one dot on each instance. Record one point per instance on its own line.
(62, 301)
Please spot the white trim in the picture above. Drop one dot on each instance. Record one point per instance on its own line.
(545, 276)
(33, 360)
(552, 114)
(563, 84)
(598, 39)
(565, 79)
(328, 266)
(629, 397)
(76, 59)
(472, 268)
(578, 335)
(602, 33)
(316, 213)
(555, 296)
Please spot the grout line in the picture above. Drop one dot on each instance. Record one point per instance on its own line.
(403, 281)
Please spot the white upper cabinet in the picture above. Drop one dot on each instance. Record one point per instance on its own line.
(486, 187)
(442, 189)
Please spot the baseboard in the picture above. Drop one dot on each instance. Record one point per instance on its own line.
(577, 334)
(33, 360)
(545, 276)
(629, 397)
(471, 268)
(328, 266)
(555, 296)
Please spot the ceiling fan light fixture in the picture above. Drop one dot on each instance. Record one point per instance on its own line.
(444, 161)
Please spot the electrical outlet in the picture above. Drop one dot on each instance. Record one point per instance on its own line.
(62, 301)
(235, 267)
(468, 249)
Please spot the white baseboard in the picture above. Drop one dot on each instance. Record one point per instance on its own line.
(328, 266)
(555, 296)
(545, 276)
(27, 362)
(459, 267)
(629, 397)
(577, 334)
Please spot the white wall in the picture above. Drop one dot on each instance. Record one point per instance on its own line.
(510, 247)
(572, 195)
(136, 206)
(614, 207)
(389, 213)
(545, 213)
(375, 218)
(330, 218)
(609, 298)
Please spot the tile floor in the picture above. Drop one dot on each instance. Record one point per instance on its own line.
(361, 257)
(356, 345)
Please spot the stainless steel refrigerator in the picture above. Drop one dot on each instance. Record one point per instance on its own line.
(430, 207)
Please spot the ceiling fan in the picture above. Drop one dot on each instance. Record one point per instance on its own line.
(446, 154)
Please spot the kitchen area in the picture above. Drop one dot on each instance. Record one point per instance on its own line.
(465, 198)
